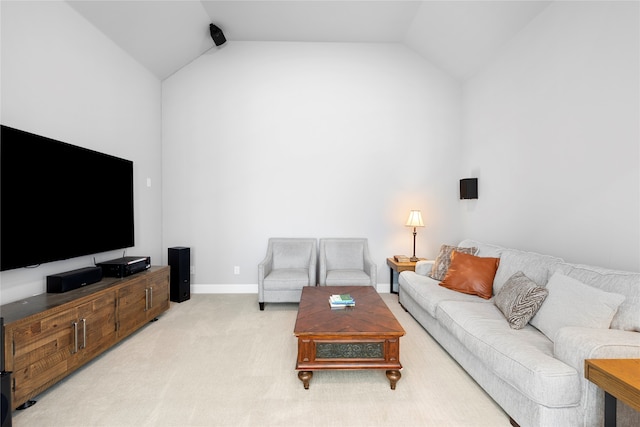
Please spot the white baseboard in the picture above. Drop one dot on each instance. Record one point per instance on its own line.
(224, 289)
(247, 289)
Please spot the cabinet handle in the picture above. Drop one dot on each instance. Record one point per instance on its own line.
(146, 299)
(75, 337)
(151, 296)
(84, 333)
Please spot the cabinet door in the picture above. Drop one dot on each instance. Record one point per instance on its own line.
(158, 288)
(132, 303)
(96, 326)
(44, 350)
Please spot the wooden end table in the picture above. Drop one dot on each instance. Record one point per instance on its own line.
(620, 379)
(399, 267)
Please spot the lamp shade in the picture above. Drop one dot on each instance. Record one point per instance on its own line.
(415, 219)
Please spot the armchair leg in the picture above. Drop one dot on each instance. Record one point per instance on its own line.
(261, 306)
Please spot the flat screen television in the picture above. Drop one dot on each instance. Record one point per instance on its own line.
(60, 201)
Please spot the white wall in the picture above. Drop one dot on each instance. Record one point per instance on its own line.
(552, 130)
(314, 139)
(307, 139)
(63, 79)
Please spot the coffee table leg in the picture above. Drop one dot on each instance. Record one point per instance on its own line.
(305, 377)
(394, 377)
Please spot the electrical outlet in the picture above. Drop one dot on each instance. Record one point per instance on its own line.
(192, 269)
(236, 269)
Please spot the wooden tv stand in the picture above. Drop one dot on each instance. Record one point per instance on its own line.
(49, 336)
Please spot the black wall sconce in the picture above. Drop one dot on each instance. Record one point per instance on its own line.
(469, 188)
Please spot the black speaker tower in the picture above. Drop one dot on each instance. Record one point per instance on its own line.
(179, 261)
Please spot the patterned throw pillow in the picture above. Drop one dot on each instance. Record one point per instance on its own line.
(520, 299)
(443, 260)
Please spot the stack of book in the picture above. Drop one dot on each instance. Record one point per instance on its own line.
(341, 301)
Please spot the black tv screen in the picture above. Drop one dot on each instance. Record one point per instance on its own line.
(59, 201)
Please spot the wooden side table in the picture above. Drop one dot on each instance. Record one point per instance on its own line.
(620, 379)
(399, 267)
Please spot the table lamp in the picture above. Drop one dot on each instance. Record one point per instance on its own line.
(415, 220)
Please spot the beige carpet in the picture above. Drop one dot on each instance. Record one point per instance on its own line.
(216, 360)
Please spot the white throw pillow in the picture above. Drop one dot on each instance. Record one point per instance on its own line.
(572, 303)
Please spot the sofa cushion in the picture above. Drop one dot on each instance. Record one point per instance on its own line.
(470, 274)
(572, 303)
(519, 299)
(287, 278)
(523, 358)
(537, 267)
(428, 292)
(483, 249)
(622, 282)
(443, 260)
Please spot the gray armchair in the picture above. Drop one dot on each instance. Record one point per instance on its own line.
(346, 262)
(290, 264)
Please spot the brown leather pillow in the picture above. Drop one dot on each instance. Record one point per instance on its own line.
(470, 274)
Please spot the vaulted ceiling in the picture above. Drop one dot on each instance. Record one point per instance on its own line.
(457, 36)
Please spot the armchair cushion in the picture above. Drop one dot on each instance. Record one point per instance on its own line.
(347, 277)
(291, 254)
(344, 255)
(287, 278)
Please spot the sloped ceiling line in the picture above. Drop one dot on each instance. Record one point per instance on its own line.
(457, 36)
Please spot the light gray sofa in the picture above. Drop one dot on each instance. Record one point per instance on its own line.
(537, 381)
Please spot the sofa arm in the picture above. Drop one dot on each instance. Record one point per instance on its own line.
(423, 268)
(575, 344)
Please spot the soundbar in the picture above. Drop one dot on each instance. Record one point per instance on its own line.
(125, 266)
(74, 279)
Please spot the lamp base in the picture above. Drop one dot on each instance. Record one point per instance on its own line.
(414, 259)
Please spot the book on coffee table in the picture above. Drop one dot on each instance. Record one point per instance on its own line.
(341, 301)
(340, 306)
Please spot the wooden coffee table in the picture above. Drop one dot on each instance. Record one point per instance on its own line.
(366, 336)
